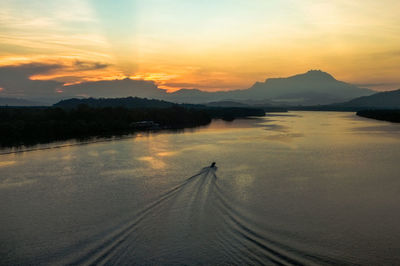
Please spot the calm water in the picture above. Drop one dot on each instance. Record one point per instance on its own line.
(305, 188)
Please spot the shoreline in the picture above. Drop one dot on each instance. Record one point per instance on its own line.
(392, 116)
(27, 127)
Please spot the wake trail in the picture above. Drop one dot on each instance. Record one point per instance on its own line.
(192, 221)
(101, 251)
(236, 222)
(246, 229)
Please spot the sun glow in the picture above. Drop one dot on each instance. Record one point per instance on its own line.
(208, 46)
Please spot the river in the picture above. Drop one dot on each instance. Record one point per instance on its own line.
(297, 188)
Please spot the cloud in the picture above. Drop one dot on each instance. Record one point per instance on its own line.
(115, 88)
(29, 69)
(384, 54)
(211, 85)
(84, 65)
(16, 82)
(49, 82)
(382, 84)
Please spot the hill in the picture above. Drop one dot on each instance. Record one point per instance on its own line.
(227, 112)
(380, 100)
(18, 102)
(311, 88)
(128, 102)
(226, 104)
(85, 118)
(31, 125)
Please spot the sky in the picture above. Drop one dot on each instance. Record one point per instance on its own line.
(209, 45)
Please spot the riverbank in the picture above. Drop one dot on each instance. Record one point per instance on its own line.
(34, 125)
(384, 115)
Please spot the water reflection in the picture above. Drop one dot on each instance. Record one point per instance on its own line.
(154, 162)
(7, 163)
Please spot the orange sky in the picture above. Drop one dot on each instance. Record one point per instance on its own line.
(209, 45)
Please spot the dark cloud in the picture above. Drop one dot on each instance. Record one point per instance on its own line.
(84, 65)
(16, 82)
(181, 84)
(375, 84)
(393, 53)
(385, 54)
(29, 69)
(380, 85)
(206, 84)
(116, 88)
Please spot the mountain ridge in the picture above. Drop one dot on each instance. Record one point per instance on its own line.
(310, 88)
(314, 87)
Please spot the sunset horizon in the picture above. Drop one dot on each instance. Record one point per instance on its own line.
(210, 46)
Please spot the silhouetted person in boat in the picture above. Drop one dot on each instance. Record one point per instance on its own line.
(212, 165)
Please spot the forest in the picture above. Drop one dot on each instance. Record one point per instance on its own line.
(385, 115)
(32, 125)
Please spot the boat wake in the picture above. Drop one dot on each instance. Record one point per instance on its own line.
(192, 223)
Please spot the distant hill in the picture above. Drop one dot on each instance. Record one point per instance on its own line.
(380, 100)
(142, 103)
(19, 102)
(226, 112)
(128, 102)
(226, 104)
(314, 87)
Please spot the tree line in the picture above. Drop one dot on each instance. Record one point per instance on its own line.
(32, 125)
(385, 115)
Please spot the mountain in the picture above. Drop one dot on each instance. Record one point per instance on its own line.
(146, 106)
(311, 88)
(380, 100)
(19, 102)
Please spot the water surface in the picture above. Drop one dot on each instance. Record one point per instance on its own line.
(305, 188)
